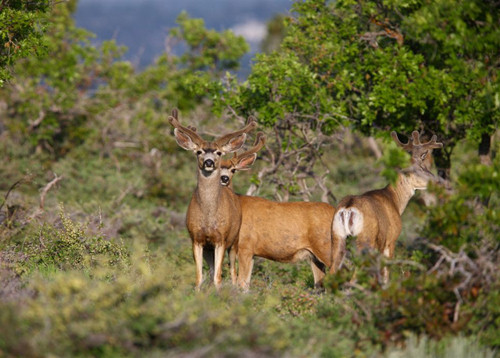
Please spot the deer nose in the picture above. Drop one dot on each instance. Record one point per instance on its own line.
(209, 163)
(224, 179)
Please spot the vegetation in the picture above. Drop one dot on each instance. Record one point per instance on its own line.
(22, 24)
(95, 259)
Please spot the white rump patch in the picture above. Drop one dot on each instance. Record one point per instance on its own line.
(347, 222)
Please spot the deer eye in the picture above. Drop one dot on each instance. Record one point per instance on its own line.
(219, 153)
(233, 171)
(198, 152)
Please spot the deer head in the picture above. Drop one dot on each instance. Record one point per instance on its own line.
(242, 161)
(421, 158)
(209, 153)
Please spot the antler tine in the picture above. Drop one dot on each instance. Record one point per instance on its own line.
(258, 144)
(433, 143)
(415, 142)
(251, 124)
(228, 163)
(250, 119)
(189, 130)
(406, 146)
(416, 138)
(260, 140)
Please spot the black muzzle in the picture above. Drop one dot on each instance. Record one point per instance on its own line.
(209, 164)
(224, 180)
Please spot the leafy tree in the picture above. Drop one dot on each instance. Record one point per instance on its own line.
(47, 103)
(384, 65)
(188, 79)
(208, 50)
(22, 24)
(276, 30)
(58, 97)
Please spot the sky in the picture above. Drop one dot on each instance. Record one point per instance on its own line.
(143, 25)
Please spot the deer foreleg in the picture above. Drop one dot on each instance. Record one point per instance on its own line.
(219, 257)
(198, 259)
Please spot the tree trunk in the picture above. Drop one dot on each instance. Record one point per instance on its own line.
(442, 159)
(484, 149)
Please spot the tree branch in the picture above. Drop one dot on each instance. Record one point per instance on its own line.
(46, 188)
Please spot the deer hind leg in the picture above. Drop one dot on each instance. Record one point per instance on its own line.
(338, 252)
(388, 253)
(318, 269)
(245, 261)
(219, 257)
(198, 259)
(346, 222)
(232, 264)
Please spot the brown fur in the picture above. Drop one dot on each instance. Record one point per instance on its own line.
(381, 219)
(375, 216)
(284, 232)
(214, 213)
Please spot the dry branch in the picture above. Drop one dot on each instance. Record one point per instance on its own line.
(26, 178)
(46, 188)
(478, 272)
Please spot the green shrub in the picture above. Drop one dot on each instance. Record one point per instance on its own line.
(471, 214)
(67, 247)
(148, 308)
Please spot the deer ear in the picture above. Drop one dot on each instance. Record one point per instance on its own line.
(234, 144)
(245, 162)
(184, 140)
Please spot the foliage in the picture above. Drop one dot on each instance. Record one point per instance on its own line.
(208, 49)
(57, 97)
(469, 216)
(22, 25)
(67, 248)
(381, 66)
(485, 317)
(383, 315)
(141, 311)
(276, 30)
(47, 103)
(434, 298)
(113, 275)
(394, 157)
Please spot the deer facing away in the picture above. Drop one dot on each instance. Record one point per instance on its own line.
(214, 213)
(284, 232)
(374, 217)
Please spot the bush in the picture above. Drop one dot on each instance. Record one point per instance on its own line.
(67, 247)
(138, 312)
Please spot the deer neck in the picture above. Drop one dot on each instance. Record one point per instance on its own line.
(209, 191)
(402, 192)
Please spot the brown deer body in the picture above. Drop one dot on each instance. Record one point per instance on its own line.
(214, 213)
(374, 217)
(284, 232)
